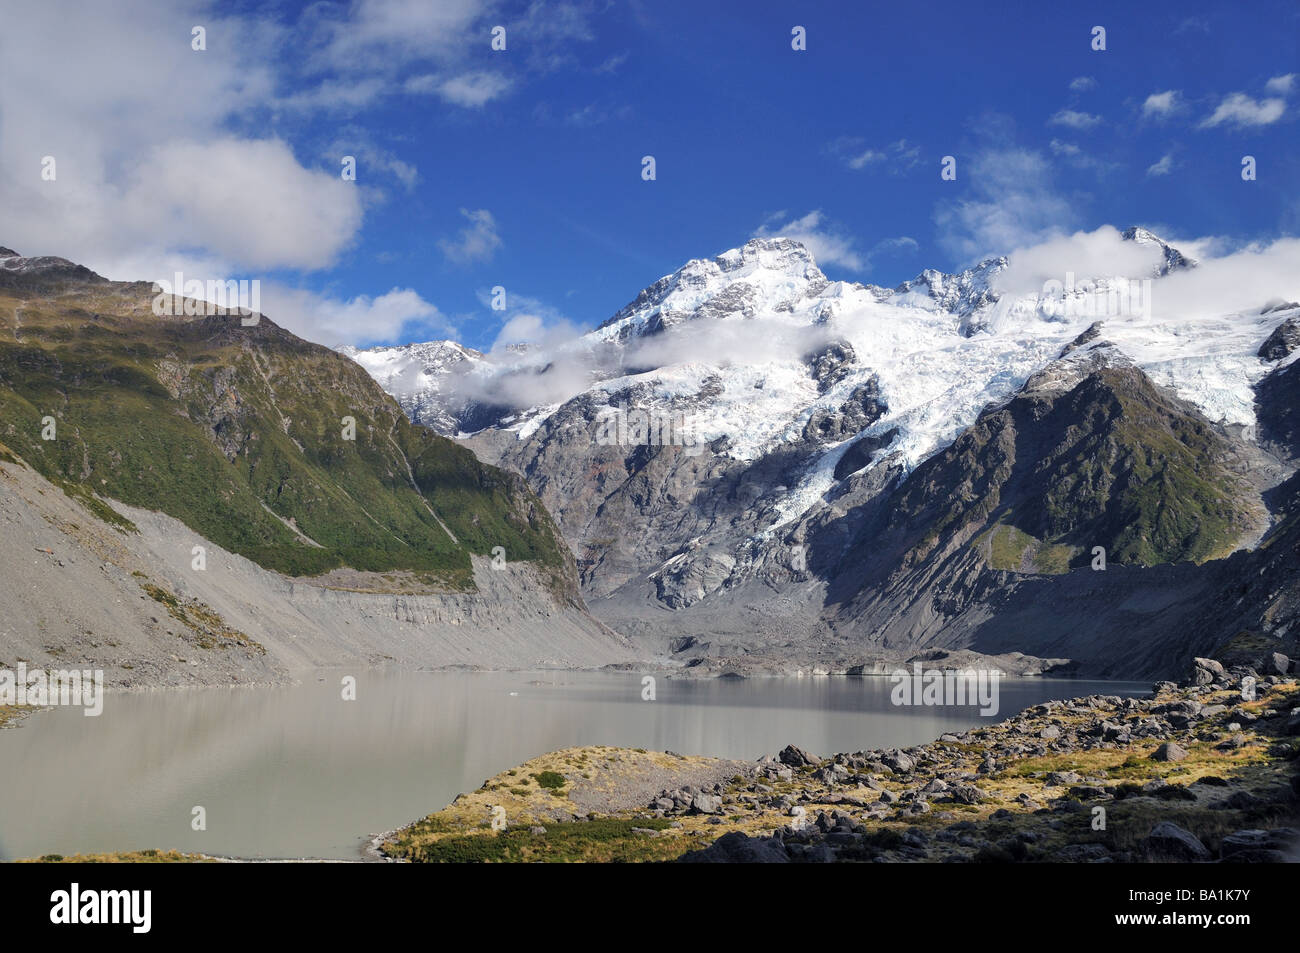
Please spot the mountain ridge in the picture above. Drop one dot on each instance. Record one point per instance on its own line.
(261, 495)
(861, 389)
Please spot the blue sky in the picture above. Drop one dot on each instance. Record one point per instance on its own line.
(522, 168)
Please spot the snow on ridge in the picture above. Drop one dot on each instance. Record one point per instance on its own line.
(942, 348)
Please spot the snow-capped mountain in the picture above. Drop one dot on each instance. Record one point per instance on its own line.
(422, 377)
(1171, 259)
(771, 343)
(772, 407)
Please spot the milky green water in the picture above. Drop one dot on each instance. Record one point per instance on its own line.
(299, 772)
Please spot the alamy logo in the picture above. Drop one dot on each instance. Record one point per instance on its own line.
(62, 687)
(1114, 298)
(617, 426)
(935, 687)
(73, 906)
(206, 298)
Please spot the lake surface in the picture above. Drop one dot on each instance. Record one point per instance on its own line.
(299, 772)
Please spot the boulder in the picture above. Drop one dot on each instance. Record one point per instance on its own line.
(1206, 671)
(739, 848)
(898, 762)
(1169, 840)
(706, 804)
(1276, 841)
(797, 757)
(1058, 778)
(1169, 752)
(966, 794)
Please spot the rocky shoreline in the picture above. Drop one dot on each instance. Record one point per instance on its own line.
(1205, 771)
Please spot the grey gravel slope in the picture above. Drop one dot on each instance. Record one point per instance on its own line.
(74, 597)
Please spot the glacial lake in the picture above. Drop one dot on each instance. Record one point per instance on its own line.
(299, 772)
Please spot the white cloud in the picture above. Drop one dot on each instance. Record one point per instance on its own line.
(592, 114)
(1239, 281)
(1162, 104)
(471, 90)
(1240, 110)
(1074, 119)
(1081, 84)
(248, 201)
(1014, 205)
(371, 159)
(854, 153)
(829, 244)
(558, 362)
(335, 95)
(536, 359)
(535, 326)
(864, 159)
(1282, 85)
(1164, 166)
(477, 242)
(155, 158)
(1099, 253)
(1226, 280)
(146, 177)
(612, 64)
(1199, 24)
(907, 154)
(392, 33)
(359, 321)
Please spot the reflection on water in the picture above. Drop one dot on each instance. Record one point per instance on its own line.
(294, 772)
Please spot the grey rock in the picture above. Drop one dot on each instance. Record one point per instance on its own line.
(966, 794)
(739, 848)
(1280, 839)
(1284, 339)
(1081, 854)
(1207, 671)
(1169, 751)
(899, 762)
(1059, 778)
(797, 757)
(1167, 839)
(706, 804)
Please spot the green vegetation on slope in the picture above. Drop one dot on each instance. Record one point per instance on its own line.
(1014, 550)
(1112, 462)
(239, 432)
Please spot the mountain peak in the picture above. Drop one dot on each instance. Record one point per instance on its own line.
(1136, 233)
(777, 253)
(963, 293)
(772, 270)
(1173, 258)
(41, 271)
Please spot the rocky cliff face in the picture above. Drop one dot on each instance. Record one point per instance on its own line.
(816, 473)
